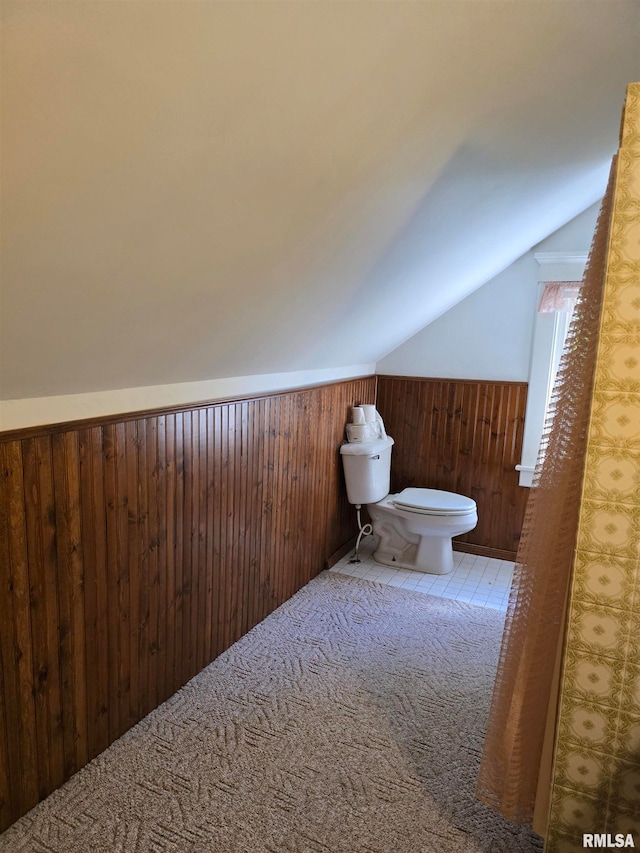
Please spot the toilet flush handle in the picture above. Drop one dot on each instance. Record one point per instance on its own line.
(377, 456)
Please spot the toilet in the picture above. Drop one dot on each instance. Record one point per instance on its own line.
(414, 527)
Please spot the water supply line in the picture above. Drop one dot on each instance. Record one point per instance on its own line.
(365, 530)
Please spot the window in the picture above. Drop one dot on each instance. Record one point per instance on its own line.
(559, 276)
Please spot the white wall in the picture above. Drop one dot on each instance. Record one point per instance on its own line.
(575, 235)
(486, 336)
(489, 334)
(18, 414)
(195, 191)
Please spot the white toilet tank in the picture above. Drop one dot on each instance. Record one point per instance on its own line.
(367, 469)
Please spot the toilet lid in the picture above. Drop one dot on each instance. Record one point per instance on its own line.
(433, 502)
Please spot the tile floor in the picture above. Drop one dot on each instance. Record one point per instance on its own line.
(477, 580)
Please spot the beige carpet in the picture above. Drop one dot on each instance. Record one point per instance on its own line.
(349, 720)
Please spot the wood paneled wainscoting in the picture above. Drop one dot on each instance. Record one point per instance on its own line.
(463, 437)
(136, 549)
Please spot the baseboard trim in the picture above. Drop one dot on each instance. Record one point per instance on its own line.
(483, 551)
(330, 562)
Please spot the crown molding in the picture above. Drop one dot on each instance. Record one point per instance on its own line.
(561, 266)
(561, 257)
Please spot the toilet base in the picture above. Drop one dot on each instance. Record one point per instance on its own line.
(435, 557)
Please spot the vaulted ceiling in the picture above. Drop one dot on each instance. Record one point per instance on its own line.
(193, 190)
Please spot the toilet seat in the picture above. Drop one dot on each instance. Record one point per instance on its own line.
(433, 502)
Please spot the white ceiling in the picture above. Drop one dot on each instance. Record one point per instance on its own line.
(193, 190)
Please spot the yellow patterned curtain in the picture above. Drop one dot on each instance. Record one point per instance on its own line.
(518, 742)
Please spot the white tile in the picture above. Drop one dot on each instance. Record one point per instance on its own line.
(371, 574)
(410, 583)
(387, 575)
(461, 570)
(450, 591)
(505, 574)
(482, 581)
(496, 596)
(403, 574)
(467, 591)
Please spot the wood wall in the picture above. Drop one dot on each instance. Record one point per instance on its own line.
(134, 551)
(463, 437)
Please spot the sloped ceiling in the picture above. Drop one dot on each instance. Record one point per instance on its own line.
(194, 190)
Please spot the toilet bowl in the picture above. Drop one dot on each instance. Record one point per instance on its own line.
(415, 528)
